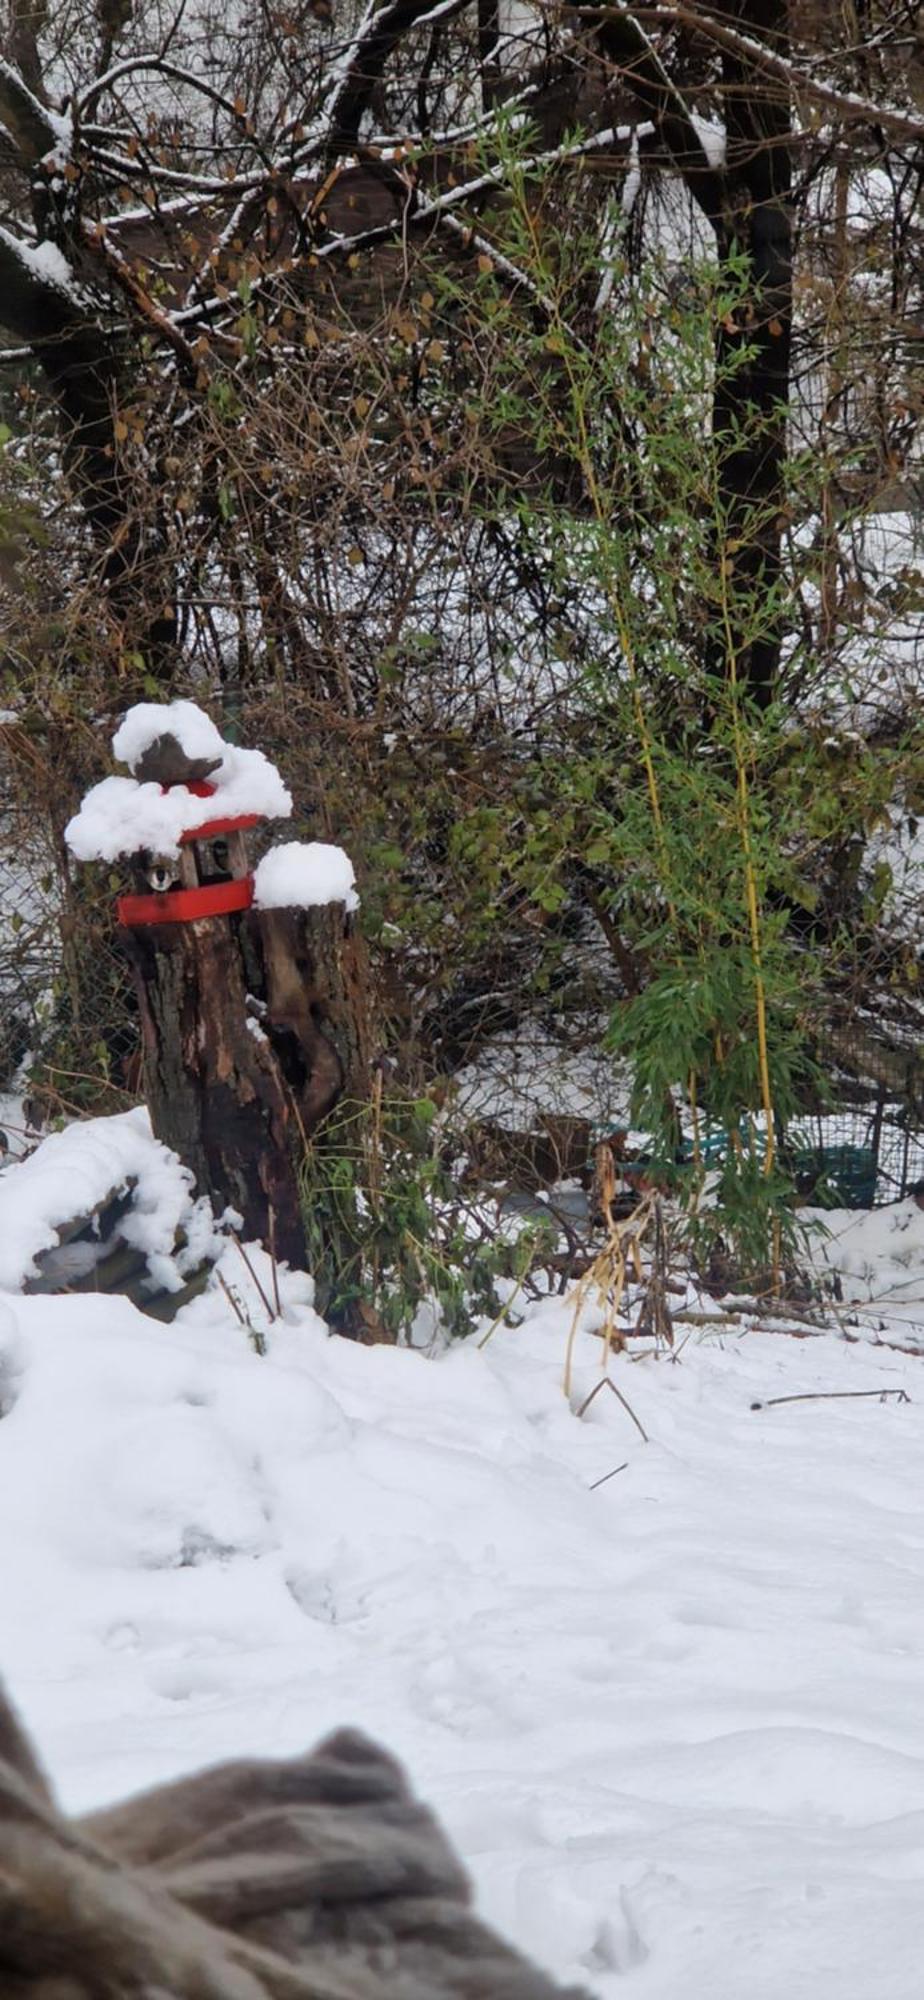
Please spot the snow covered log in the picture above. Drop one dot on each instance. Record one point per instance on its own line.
(322, 1878)
(102, 1206)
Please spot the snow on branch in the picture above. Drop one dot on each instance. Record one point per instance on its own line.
(133, 65)
(191, 81)
(41, 297)
(626, 44)
(363, 61)
(801, 81)
(455, 197)
(441, 205)
(34, 129)
(150, 173)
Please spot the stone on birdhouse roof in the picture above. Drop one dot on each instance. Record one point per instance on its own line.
(165, 762)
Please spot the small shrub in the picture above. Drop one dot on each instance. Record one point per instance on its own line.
(389, 1234)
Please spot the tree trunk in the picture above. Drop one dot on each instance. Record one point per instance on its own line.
(750, 407)
(214, 1088)
(747, 203)
(235, 1098)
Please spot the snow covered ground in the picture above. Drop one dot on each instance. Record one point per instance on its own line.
(674, 1720)
(878, 1256)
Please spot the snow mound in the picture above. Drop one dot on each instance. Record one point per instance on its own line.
(303, 874)
(674, 1722)
(122, 816)
(877, 1253)
(72, 1173)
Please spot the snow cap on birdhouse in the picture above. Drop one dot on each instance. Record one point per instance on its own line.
(181, 817)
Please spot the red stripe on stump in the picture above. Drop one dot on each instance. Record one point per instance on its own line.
(184, 906)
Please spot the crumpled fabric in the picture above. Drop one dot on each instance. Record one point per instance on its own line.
(319, 1878)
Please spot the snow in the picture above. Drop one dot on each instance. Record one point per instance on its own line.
(877, 1253)
(674, 1721)
(522, 1076)
(49, 262)
(633, 180)
(711, 137)
(121, 816)
(302, 874)
(44, 261)
(71, 1172)
(62, 125)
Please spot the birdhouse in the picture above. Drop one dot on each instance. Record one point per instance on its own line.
(211, 876)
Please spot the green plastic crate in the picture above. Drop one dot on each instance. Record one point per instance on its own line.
(844, 1176)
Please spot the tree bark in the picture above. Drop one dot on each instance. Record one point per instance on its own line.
(750, 407)
(214, 1088)
(236, 1099)
(747, 203)
(316, 987)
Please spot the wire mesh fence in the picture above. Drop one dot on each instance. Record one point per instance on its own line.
(860, 1144)
(862, 1153)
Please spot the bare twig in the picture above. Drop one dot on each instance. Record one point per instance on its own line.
(606, 1382)
(268, 1308)
(232, 1299)
(272, 1250)
(833, 1396)
(592, 1488)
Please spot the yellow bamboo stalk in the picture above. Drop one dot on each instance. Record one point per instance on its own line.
(750, 879)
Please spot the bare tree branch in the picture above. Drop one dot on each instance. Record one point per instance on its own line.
(803, 82)
(380, 31)
(625, 44)
(30, 124)
(433, 210)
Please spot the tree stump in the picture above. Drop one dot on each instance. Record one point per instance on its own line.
(313, 980)
(214, 1087)
(253, 1021)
